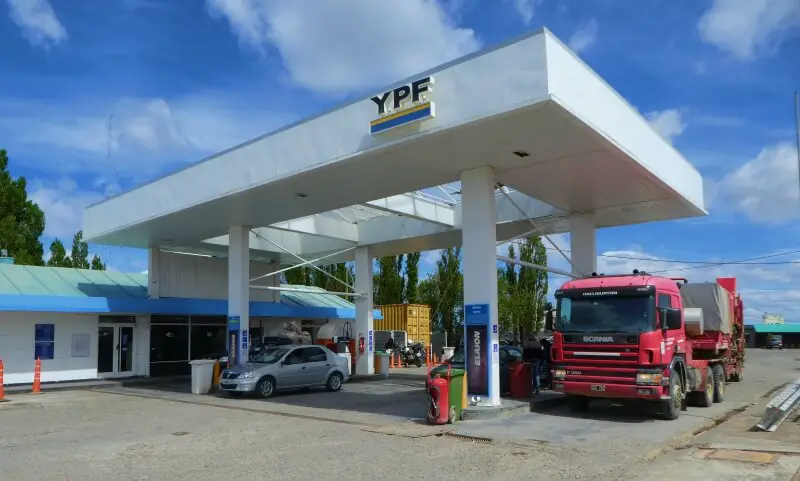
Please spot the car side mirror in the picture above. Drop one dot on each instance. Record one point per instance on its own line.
(670, 318)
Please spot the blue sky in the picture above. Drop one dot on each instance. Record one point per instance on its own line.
(97, 97)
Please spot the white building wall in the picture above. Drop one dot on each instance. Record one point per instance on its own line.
(199, 277)
(17, 333)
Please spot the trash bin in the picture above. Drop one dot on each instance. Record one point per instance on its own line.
(521, 382)
(382, 364)
(202, 375)
(446, 397)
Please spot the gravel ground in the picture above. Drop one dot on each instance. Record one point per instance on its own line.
(85, 435)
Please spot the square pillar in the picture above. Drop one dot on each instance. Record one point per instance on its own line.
(153, 272)
(365, 325)
(583, 244)
(479, 252)
(238, 293)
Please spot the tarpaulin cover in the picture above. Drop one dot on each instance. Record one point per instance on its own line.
(713, 300)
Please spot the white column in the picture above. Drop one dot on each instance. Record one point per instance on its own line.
(479, 239)
(583, 244)
(153, 272)
(365, 363)
(239, 290)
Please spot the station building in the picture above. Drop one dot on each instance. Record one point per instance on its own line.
(86, 324)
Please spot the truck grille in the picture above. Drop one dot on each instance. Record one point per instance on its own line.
(608, 363)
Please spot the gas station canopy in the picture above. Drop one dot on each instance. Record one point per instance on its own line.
(555, 133)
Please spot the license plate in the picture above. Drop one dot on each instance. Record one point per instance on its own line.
(598, 387)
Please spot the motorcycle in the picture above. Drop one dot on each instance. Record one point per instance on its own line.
(413, 354)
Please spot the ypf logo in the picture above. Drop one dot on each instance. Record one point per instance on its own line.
(403, 105)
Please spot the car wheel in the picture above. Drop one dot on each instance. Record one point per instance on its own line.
(418, 362)
(265, 387)
(705, 398)
(334, 383)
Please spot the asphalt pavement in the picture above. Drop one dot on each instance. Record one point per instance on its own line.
(368, 430)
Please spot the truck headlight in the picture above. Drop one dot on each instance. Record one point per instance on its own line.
(559, 374)
(648, 378)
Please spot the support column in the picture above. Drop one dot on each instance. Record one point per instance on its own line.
(583, 244)
(479, 239)
(153, 272)
(365, 326)
(238, 293)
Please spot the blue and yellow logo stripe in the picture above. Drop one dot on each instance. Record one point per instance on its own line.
(413, 114)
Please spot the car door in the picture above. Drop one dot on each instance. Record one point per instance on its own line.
(317, 366)
(292, 372)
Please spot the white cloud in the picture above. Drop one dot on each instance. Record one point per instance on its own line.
(668, 123)
(585, 36)
(527, 9)
(62, 202)
(38, 21)
(748, 29)
(766, 189)
(366, 43)
(134, 138)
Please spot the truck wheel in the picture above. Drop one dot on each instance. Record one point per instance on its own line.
(577, 404)
(705, 398)
(671, 408)
(719, 383)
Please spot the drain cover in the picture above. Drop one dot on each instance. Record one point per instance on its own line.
(756, 457)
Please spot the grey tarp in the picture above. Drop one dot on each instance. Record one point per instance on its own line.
(713, 299)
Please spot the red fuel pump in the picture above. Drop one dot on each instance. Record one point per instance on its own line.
(361, 343)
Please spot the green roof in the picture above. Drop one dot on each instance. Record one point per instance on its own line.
(790, 328)
(64, 281)
(307, 299)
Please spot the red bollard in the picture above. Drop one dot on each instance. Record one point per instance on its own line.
(37, 377)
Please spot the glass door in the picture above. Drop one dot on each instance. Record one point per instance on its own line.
(115, 350)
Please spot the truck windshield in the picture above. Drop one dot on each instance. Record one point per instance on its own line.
(606, 315)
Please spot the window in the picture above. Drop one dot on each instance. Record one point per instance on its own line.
(296, 357)
(315, 354)
(514, 355)
(606, 315)
(664, 300)
(207, 341)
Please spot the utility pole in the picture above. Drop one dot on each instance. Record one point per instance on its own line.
(797, 132)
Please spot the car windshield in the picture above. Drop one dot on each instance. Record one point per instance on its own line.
(606, 315)
(268, 355)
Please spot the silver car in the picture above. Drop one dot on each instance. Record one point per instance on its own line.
(284, 368)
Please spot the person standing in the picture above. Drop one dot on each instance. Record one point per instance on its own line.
(532, 354)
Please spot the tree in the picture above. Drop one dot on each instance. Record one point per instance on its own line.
(412, 278)
(21, 219)
(58, 255)
(389, 282)
(98, 264)
(78, 257)
(443, 290)
(80, 252)
(310, 276)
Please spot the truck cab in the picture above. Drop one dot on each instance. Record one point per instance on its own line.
(624, 337)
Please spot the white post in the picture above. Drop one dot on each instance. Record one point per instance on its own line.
(153, 272)
(479, 240)
(238, 292)
(583, 244)
(365, 363)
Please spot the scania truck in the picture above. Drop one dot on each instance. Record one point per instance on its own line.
(645, 337)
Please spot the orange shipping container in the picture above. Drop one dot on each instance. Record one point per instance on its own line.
(415, 319)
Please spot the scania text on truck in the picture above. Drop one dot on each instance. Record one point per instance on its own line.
(646, 337)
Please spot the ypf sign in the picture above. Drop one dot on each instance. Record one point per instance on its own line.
(403, 105)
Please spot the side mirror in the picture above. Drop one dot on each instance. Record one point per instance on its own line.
(548, 320)
(670, 318)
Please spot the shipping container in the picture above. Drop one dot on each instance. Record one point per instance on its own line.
(414, 319)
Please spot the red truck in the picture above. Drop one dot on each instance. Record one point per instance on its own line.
(646, 337)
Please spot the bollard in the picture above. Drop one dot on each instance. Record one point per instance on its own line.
(37, 377)
(391, 360)
(215, 376)
(2, 383)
